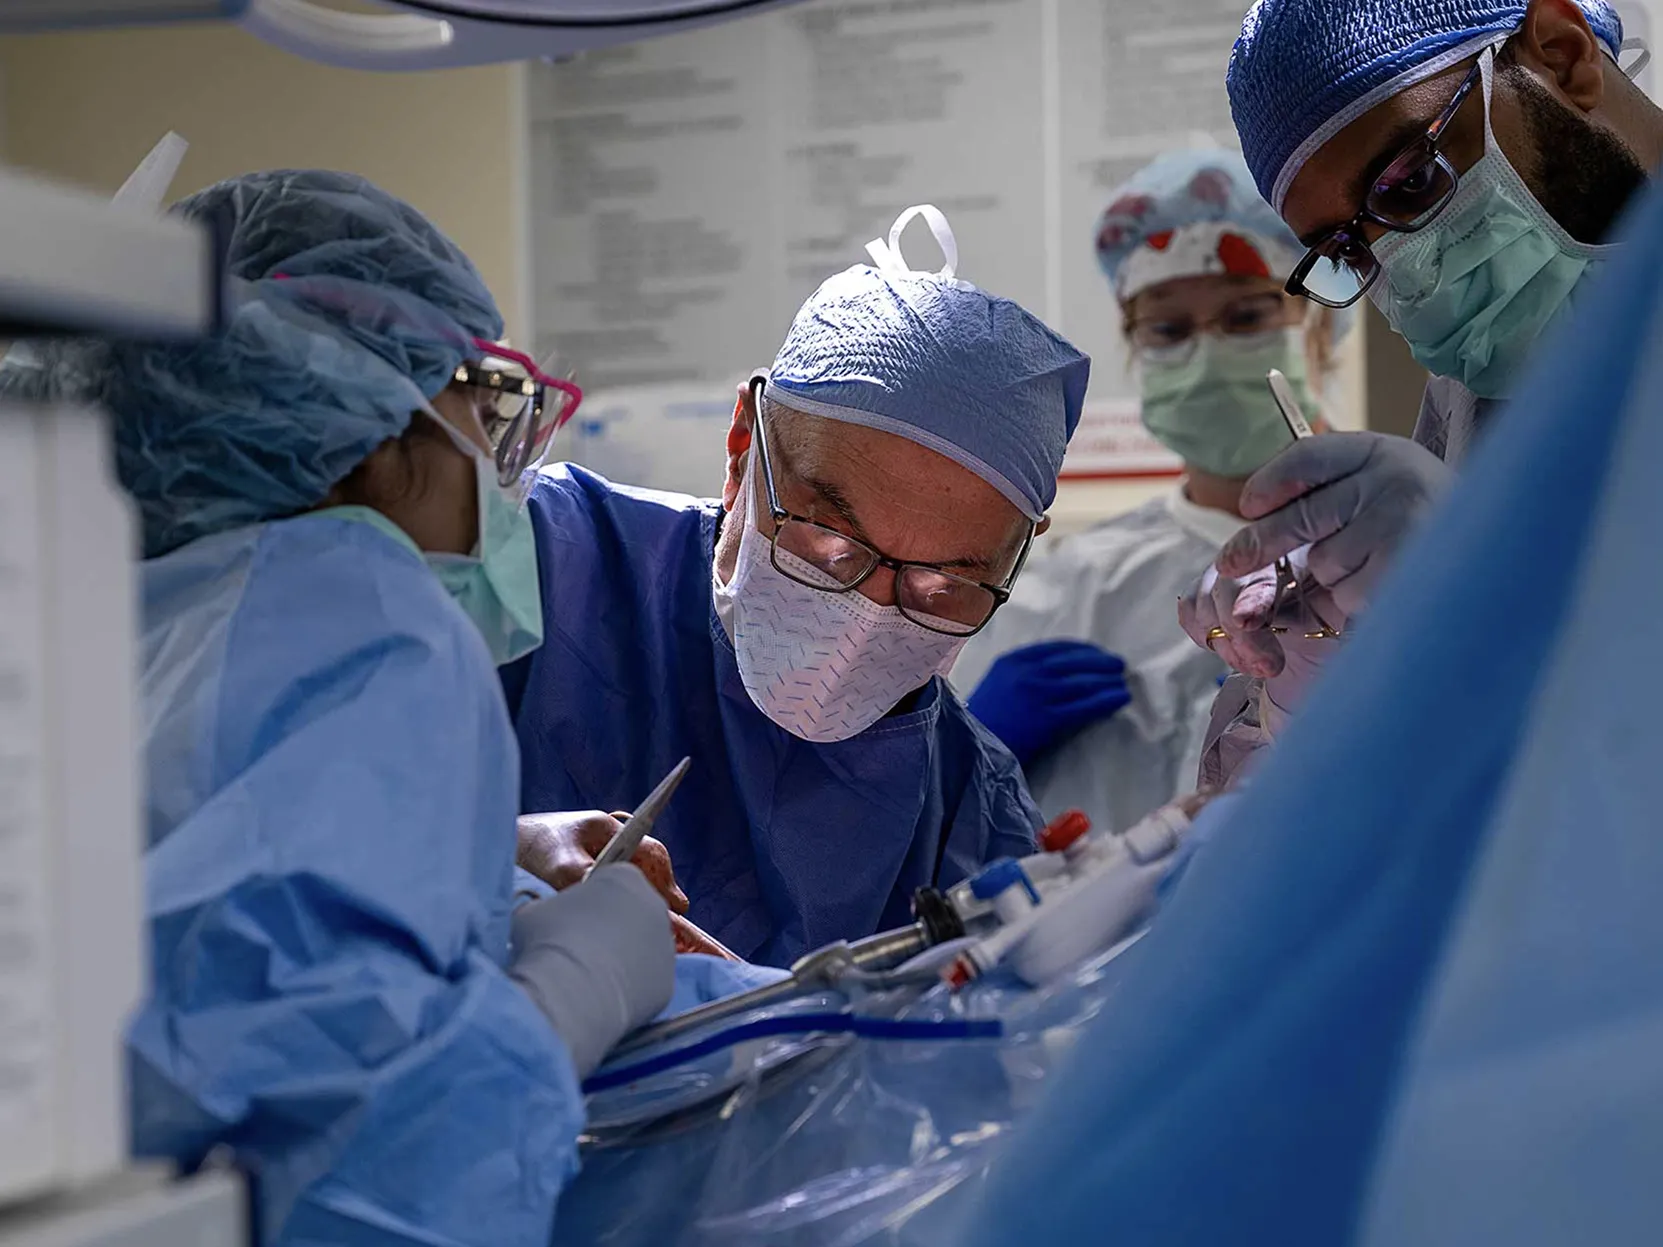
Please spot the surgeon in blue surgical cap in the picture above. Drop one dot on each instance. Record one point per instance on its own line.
(1460, 163)
(885, 479)
(343, 994)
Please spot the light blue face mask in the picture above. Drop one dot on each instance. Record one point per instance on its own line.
(1210, 404)
(1473, 291)
(498, 588)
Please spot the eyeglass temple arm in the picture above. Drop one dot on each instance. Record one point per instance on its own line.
(774, 508)
(1435, 131)
(1021, 559)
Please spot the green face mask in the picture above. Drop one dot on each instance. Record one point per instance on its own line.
(1474, 291)
(1212, 407)
(498, 587)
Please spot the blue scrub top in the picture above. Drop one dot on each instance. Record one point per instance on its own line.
(782, 845)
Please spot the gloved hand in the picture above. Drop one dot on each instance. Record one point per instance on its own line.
(1287, 659)
(560, 848)
(597, 959)
(1037, 697)
(1352, 498)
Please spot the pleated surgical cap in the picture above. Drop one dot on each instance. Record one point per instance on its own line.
(350, 312)
(1191, 213)
(933, 359)
(1303, 70)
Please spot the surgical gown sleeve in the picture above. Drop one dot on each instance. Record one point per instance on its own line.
(334, 783)
(1234, 733)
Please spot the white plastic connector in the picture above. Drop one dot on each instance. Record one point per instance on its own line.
(1108, 893)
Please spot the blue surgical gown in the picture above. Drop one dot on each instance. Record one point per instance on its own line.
(1410, 991)
(782, 845)
(331, 810)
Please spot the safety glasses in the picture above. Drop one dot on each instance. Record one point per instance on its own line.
(526, 407)
(1172, 338)
(1412, 190)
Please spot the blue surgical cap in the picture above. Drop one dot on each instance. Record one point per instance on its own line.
(351, 311)
(1303, 70)
(935, 360)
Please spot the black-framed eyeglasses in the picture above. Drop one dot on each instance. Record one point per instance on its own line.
(823, 558)
(1413, 189)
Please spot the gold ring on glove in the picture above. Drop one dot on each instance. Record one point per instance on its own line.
(1215, 634)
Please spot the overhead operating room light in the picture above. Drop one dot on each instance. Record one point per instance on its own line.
(405, 34)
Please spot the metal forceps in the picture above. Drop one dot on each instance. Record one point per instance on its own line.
(1287, 580)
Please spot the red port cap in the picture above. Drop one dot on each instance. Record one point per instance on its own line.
(1064, 830)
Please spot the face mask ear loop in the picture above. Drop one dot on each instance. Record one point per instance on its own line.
(1486, 71)
(1637, 66)
(485, 469)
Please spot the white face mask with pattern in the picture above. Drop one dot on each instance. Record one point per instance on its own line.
(824, 666)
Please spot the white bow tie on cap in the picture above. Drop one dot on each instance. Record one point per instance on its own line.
(887, 257)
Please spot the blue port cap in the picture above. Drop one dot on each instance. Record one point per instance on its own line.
(999, 875)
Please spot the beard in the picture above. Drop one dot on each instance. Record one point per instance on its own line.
(1582, 174)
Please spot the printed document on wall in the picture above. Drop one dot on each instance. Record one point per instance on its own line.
(654, 258)
(691, 191)
(889, 103)
(664, 437)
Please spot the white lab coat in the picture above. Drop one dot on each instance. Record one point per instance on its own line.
(1117, 585)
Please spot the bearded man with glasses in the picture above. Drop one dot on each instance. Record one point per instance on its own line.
(1463, 165)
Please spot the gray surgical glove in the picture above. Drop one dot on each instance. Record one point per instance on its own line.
(1352, 499)
(597, 959)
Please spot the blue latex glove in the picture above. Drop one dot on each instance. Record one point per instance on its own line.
(1039, 696)
(1352, 498)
